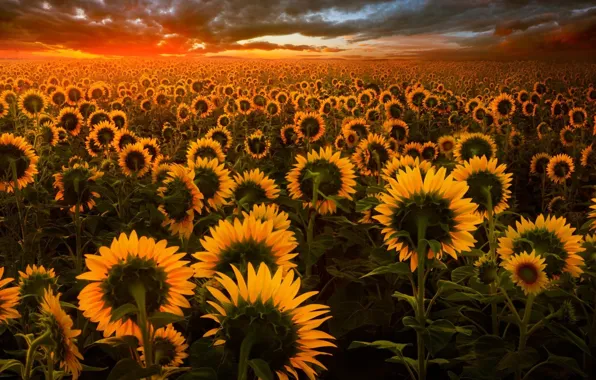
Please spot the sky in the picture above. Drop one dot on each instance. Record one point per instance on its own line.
(347, 29)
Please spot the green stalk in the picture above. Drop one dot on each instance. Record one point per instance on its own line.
(17, 192)
(137, 290)
(492, 252)
(523, 330)
(420, 312)
(31, 353)
(50, 366)
(79, 251)
(245, 348)
(311, 224)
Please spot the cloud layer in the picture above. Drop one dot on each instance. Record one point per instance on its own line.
(376, 28)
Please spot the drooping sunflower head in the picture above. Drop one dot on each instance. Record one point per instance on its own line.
(180, 199)
(205, 148)
(243, 242)
(18, 162)
(32, 102)
(34, 282)
(222, 135)
(539, 163)
(93, 147)
(58, 97)
(527, 271)
(578, 117)
(9, 299)
(70, 119)
(104, 133)
(551, 238)
(433, 203)
(169, 347)
(488, 183)
(326, 170)
(134, 160)
(378, 153)
(288, 135)
(588, 157)
(130, 264)
(160, 169)
(183, 113)
(560, 168)
(474, 144)
(49, 133)
(64, 348)
(567, 136)
(74, 185)
(503, 106)
(252, 187)
(265, 309)
(398, 129)
(213, 181)
(486, 269)
(393, 166)
(359, 125)
(309, 126)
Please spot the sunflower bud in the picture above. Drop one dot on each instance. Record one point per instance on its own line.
(486, 270)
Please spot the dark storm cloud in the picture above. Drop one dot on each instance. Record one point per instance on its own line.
(144, 27)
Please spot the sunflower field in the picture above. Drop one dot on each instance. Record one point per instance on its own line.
(254, 219)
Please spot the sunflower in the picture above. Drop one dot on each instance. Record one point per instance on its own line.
(180, 199)
(539, 163)
(474, 144)
(503, 106)
(169, 347)
(529, 109)
(244, 242)
(264, 213)
(152, 146)
(527, 271)
(588, 157)
(556, 205)
(542, 130)
(32, 102)
(378, 152)
(578, 117)
(471, 105)
(360, 126)
(183, 113)
(18, 162)
(551, 238)
(9, 298)
(86, 108)
(97, 117)
(123, 138)
(70, 119)
(335, 177)
(483, 176)
(222, 135)
(213, 181)
(392, 167)
(73, 95)
(4, 108)
(429, 151)
(516, 139)
(413, 149)
(104, 133)
(224, 120)
(254, 187)
(130, 260)
(266, 309)
(58, 97)
(446, 144)
(74, 186)
(119, 118)
(567, 136)
(257, 145)
(309, 126)
(288, 135)
(415, 99)
(93, 147)
(204, 148)
(436, 199)
(49, 133)
(202, 107)
(160, 169)
(134, 160)
(351, 138)
(35, 280)
(397, 129)
(394, 109)
(63, 348)
(560, 168)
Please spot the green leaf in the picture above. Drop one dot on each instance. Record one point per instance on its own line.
(438, 361)
(366, 204)
(411, 322)
(395, 268)
(409, 299)
(161, 319)
(564, 333)
(565, 362)
(128, 369)
(434, 245)
(126, 340)
(412, 363)
(204, 373)
(88, 368)
(396, 348)
(449, 285)
(123, 311)
(489, 347)
(438, 334)
(460, 274)
(513, 361)
(12, 365)
(261, 369)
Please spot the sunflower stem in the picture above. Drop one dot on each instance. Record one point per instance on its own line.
(311, 225)
(420, 312)
(137, 290)
(31, 352)
(523, 331)
(50, 367)
(245, 348)
(492, 252)
(78, 252)
(19, 201)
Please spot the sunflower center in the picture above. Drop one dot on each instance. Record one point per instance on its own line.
(135, 161)
(205, 152)
(242, 253)
(96, 119)
(561, 169)
(48, 135)
(207, 181)
(398, 132)
(428, 153)
(105, 136)
(276, 336)
(177, 200)
(70, 121)
(165, 351)
(395, 111)
(220, 137)
(125, 140)
(250, 192)
(310, 126)
(115, 288)
(119, 121)
(259, 100)
(360, 129)
(33, 103)
(11, 155)
(504, 107)
(476, 146)
(257, 145)
(528, 273)
(547, 245)
(330, 178)
(434, 210)
(479, 184)
(378, 157)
